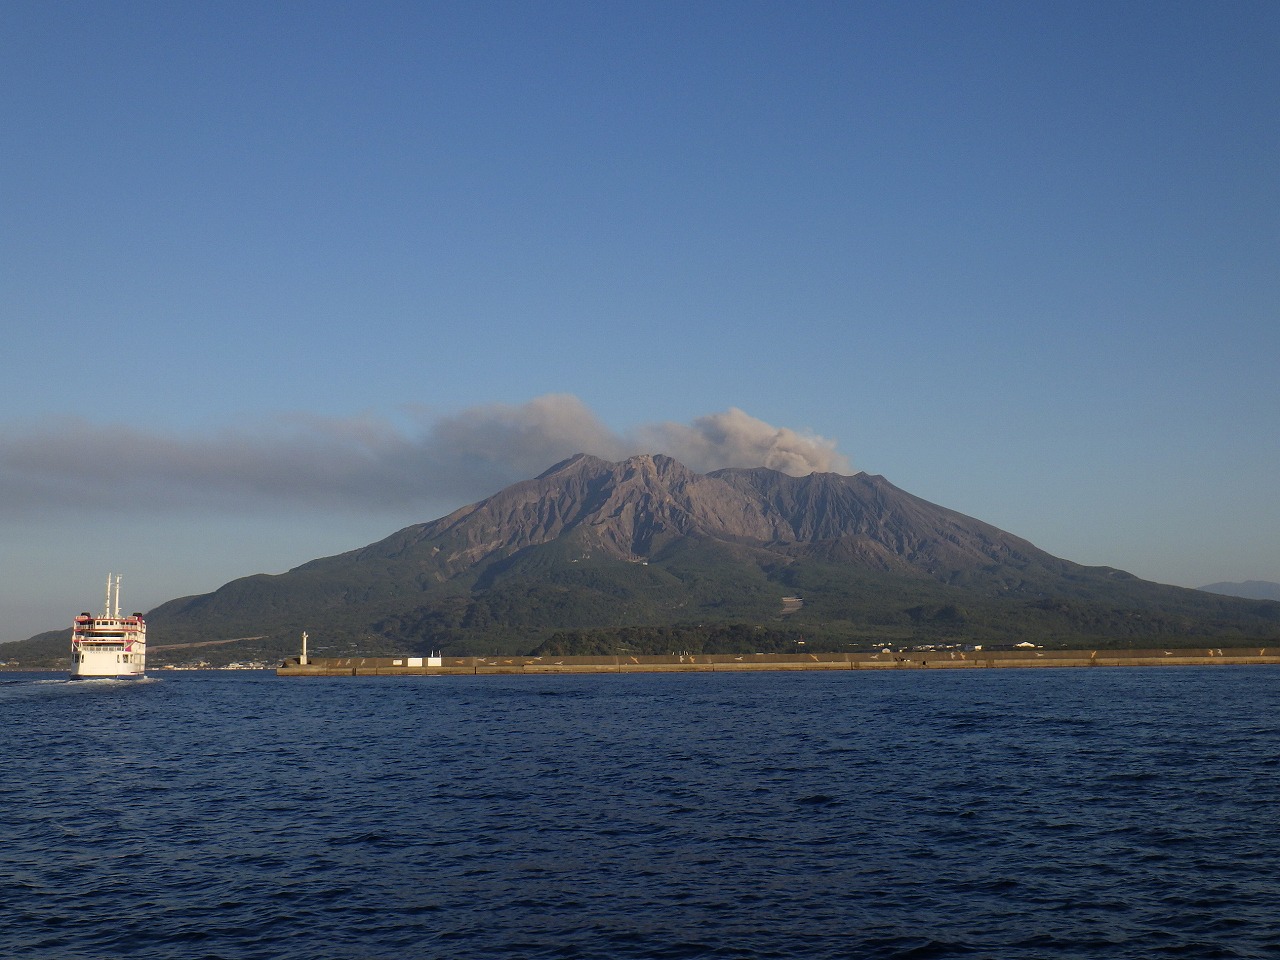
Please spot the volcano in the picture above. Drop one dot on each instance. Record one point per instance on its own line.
(646, 548)
(647, 555)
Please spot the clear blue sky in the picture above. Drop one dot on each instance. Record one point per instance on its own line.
(278, 279)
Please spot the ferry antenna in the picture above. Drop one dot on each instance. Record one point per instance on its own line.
(112, 607)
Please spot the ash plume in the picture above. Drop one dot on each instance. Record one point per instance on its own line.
(737, 439)
(362, 462)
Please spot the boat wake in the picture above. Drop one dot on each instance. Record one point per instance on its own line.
(17, 689)
(104, 681)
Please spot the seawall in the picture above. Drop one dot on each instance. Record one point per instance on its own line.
(726, 663)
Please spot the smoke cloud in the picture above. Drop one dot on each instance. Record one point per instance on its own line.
(737, 439)
(363, 462)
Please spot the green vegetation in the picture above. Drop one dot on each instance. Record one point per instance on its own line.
(698, 598)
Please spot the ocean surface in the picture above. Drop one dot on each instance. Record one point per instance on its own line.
(1073, 813)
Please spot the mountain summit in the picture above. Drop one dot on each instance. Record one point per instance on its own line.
(620, 553)
(634, 509)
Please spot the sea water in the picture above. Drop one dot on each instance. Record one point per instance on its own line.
(1068, 813)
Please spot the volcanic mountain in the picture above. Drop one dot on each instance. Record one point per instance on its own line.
(647, 555)
(648, 551)
(646, 506)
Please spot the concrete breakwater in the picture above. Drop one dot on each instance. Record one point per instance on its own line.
(730, 662)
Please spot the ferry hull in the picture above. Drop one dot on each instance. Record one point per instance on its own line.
(98, 664)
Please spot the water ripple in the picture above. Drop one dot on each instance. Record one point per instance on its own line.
(1046, 814)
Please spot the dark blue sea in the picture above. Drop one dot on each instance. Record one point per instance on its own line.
(1068, 813)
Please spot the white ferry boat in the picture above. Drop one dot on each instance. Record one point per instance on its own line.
(109, 645)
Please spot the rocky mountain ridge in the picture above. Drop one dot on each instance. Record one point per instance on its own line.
(631, 510)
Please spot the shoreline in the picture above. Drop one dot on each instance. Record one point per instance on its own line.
(748, 662)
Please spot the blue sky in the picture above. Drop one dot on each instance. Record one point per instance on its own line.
(279, 279)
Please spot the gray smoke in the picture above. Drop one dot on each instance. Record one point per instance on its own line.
(737, 439)
(307, 461)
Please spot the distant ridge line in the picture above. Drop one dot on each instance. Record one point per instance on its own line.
(1246, 589)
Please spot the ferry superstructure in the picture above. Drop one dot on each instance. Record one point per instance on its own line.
(109, 645)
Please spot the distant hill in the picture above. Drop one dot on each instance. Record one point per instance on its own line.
(1251, 589)
(646, 555)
